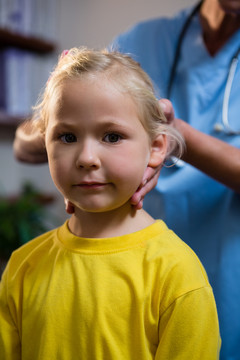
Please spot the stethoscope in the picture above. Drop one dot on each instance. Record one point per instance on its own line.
(224, 126)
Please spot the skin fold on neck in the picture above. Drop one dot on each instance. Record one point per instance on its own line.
(218, 25)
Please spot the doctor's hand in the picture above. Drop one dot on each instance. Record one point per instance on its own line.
(69, 207)
(150, 179)
(151, 175)
(168, 110)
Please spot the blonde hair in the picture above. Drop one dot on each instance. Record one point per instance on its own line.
(125, 73)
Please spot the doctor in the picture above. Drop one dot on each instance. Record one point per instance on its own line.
(198, 198)
(193, 60)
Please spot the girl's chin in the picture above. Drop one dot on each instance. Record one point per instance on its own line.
(101, 208)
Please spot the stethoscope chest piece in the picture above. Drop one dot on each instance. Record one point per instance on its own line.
(218, 128)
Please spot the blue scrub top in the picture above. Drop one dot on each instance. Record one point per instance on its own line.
(204, 213)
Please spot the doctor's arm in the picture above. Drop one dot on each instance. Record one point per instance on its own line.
(210, 155)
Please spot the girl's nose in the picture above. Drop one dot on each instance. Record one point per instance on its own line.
(88, 156)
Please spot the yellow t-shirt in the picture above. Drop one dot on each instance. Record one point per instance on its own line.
(139, 296)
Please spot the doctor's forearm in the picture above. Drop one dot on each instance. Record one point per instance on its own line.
(212, 156)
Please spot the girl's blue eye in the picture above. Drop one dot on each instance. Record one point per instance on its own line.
(68, 138)
(112, 138)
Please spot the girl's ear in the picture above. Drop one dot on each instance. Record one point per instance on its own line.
(158, 151)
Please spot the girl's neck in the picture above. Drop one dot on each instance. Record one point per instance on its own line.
(122, 221)
(217, 25)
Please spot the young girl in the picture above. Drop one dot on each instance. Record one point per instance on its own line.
(112, 282)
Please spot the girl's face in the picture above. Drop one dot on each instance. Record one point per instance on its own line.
(97, 147)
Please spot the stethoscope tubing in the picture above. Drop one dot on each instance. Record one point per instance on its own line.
(226, 97)
(179, 46)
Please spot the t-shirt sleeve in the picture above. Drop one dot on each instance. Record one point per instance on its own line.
(189, 329)
(10, 346)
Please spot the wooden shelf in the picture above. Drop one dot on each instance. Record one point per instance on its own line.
(8, 38)
(27, 43)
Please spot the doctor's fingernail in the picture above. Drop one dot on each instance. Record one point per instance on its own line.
(162, 105)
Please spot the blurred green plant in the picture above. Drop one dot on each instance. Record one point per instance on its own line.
(21, 219)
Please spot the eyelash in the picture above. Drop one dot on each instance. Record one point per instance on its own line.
(116, 135)
(63, 137)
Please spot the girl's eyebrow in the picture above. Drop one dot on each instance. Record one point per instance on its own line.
(102, 126)
(117, 126)
(109, 123)
(63, 126)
